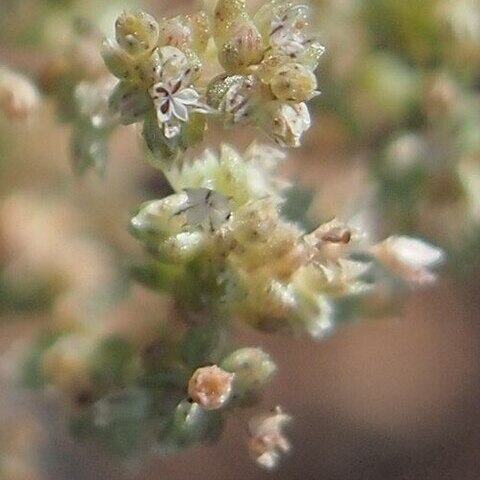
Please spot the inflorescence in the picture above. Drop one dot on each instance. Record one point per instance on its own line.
(220, 246)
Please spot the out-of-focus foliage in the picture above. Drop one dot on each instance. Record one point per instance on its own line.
(404, 79)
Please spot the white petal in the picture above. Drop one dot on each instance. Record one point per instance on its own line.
(196, 215)
(164, 116)
(202, 108)
(187, 96)
(179, 110)
(197, 196)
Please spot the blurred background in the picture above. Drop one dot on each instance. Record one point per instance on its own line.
(395, 141)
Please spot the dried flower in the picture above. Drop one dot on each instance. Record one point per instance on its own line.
(267, 442)
(210, 387)
(287, 122)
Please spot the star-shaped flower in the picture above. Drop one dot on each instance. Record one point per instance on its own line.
(173, 100)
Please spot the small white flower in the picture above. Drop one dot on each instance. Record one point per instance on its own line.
(206, 207)
(173, 102)
(171, 99)
(409, 258)
(174, 98)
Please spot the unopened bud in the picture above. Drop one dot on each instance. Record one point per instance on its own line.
(244, 49)
(253, 368)
(18, 96)
(137, 32)
(293, 82)
(409, 258)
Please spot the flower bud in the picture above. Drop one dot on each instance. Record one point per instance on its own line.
(173, 62)
(314, 312)
(252, 367)
(201, 31)
(244, 49)
(130, 101)
(210, 387)
(158, 219)
(217, 89)
(191, 423)
(137, 32)
(409, 258)
(18, 96)
(176, 32)
(227, 12)
(117, 60)
(293, 82)
(235, 95)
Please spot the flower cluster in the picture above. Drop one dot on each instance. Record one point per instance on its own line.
(221, 248)
(244, 69)
(256, 265)
(269, 59)
(448, 177)
(158, 68)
